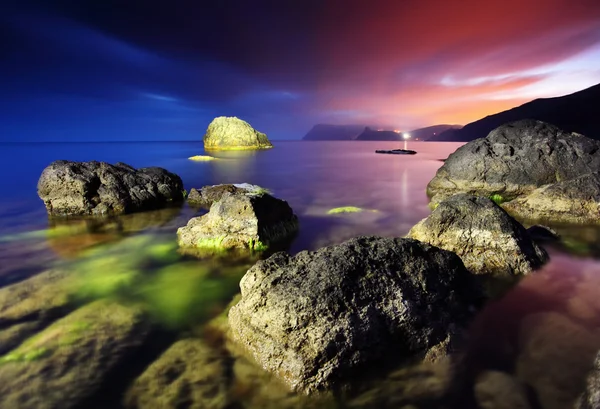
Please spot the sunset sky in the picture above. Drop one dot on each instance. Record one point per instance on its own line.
(161, 70)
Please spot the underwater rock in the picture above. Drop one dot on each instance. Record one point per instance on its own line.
(207, 195)
(253, 220)
(318, 318)
(513, 160)
(69, 360)
(483, 235)
(100, 189)
(231, 133)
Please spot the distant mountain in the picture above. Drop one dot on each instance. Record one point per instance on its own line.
(373, 135)
(425, 134)
(576, 112)
(325, 132)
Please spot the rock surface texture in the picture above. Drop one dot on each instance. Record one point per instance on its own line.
(318, 318)
(590, 399)
(516, 159)
(99, 189)
(231, 133)
(207, 195)
(244, 219)
(483, 235)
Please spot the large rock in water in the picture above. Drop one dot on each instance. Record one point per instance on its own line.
(243, 219)
(207, 195)
(98, 188)
(318, 318)
(231, 133)
(483, 235)
(514, 160)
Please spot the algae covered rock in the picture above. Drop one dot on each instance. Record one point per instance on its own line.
(244, 219)
(318, 318)
(207, 195)
(483, 235)
(514, 160)
(99, 189)
(231, 133)
(69, 360)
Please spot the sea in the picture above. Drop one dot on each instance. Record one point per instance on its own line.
(543, 329)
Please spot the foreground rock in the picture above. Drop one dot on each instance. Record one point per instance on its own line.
(99, 189)
(68, 361)
(514, 160)
(207, 195)
(590, 399)
(483, 235)
(571, 201)
(231, 133)
(244, 219)
(319, 318)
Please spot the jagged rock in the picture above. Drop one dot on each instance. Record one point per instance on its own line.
(207, 195)
(499, 390)
(231, 133)
(514, 160)
(99, 189)
(318, 318)
(68, 361)
(483, 235)
(249, 219)
(575, 200)
(188, 374)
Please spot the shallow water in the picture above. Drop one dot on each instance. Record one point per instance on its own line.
(544, 329)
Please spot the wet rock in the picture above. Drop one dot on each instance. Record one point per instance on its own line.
(576, 200)
(231, 133)
(543, 234)
(100, 189)
(483, 235)
(68, 361)
(188, 374)
(555, 356)
(514, 160)
(29, 305)
(207, 195)
(253, 220)
(318, 318)
(499, 390)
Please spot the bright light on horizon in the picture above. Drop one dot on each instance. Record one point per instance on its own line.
(406, 136)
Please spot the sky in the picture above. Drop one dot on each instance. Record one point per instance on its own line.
(82, 70)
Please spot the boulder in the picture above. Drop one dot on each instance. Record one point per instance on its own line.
(244, 219)
(207, 195)
(483, 235)
(100, 189)
(514, 160)
(575, 200)
(69, 361)
(231, 133)
(319, 318)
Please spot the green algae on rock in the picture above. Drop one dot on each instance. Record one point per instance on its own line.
(231, 133)
(69, 360)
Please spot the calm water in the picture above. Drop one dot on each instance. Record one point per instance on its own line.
(544, 329)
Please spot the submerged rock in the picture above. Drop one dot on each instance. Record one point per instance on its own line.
(483, 235)
(231, 133)
(244, 219)
(514, 160)
(575, 200)
(318, 318)
(207, 195)
(68, 361)
(99, 189)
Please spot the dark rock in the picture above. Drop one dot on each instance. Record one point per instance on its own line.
(207, 195)
(483, 235)
(100, 189)
(68, 362)
(245, 219)
(231, 133)
(543, 234)
(571, 201)
(318, 318)
(514, 160)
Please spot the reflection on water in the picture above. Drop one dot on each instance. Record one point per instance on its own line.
(544, 330)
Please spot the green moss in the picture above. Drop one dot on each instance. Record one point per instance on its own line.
(497, 198)
(576, 246)
(184, 193)
(202, 158)
(257, 245)
(211, 243)
(28, 356)
(345, 209)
